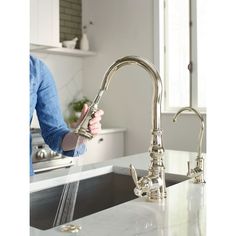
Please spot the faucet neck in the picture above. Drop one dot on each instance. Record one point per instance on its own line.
(156, 142)
(191, 109)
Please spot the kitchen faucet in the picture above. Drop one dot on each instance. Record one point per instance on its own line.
(198, 172)
(153, 185)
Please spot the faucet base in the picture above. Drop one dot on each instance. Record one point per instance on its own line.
(199, 179)
(154, 196)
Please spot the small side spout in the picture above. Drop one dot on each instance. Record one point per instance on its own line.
(198, 172)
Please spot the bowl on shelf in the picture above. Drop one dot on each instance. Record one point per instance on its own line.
(70, 43)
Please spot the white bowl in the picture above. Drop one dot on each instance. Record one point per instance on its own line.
(69, 44)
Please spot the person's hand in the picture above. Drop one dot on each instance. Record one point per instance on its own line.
(94, 123)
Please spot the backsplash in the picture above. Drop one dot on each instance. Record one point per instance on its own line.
(70, 19)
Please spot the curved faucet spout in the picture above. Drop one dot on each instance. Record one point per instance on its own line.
(157, 84)
(201, 128)
(156, 99)
(198, 171)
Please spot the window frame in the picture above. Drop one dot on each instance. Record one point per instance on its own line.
(159, 54)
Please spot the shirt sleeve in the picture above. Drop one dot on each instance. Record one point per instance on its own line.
(52, 124)
(79, 150)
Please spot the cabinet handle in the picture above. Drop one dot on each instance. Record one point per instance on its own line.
(100, 140)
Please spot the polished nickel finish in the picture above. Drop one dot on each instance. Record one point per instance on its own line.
(70, 228)
(198, 172)
(153, 185)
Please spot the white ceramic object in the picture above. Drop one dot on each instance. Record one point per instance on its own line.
(84, 43)
(70, 43)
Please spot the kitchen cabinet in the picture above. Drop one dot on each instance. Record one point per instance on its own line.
(45, 30)
(105, 146)
(44, 23)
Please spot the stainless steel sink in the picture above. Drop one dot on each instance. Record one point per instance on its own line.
(95, 194)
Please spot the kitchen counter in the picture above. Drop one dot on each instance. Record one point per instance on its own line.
(181, 213)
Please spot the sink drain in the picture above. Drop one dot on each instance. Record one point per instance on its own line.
(70, 228)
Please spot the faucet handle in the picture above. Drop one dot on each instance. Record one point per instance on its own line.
(137, 190)
(133, 173)
(189, 169)
(143, 185)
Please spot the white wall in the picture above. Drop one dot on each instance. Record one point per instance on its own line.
(124, 28)
(116, 34)
(67, 72)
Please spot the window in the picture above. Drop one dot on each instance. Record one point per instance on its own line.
(179, 33)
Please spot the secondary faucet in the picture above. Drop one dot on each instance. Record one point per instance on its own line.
(198, 172)
(153, 185)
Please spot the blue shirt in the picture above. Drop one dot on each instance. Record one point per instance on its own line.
(44, 98)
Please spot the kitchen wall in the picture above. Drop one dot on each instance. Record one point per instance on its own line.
(67, 72)
(126, 28)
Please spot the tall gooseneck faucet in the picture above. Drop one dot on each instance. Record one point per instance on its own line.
(153, 185)
(198, 171)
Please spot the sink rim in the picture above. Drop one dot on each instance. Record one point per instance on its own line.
(85, 174)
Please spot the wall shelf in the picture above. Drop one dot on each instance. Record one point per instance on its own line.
(64, 51)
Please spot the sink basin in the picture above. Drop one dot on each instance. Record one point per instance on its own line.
(94, 194)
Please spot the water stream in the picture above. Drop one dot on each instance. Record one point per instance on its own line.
(66, 206)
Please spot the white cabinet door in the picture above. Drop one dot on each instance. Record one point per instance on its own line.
(44, 22)
(104, 147)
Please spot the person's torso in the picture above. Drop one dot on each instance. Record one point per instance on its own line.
(34, 85)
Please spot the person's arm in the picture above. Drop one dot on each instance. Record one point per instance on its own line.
(53, 127)
(52, 124)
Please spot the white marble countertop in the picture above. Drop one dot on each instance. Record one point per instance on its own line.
(181, 213)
